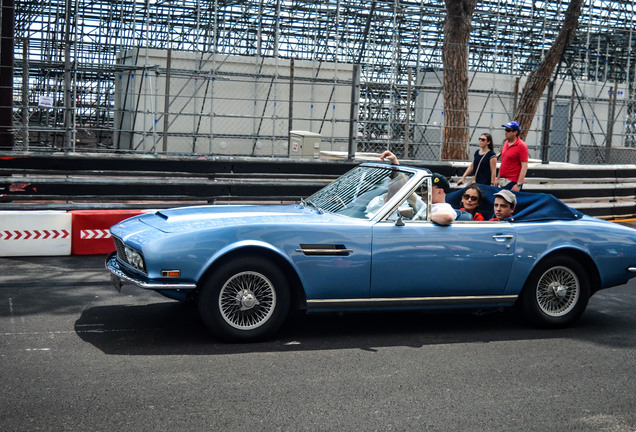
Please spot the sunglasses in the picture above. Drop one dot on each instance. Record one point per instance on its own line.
(508, 130)
(469, 197)
(482, 139)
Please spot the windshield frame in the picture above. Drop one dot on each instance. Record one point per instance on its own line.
(417, 177)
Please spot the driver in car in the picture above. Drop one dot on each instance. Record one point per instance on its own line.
(441, 212)
(396, 181)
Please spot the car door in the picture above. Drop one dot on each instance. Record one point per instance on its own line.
(423, 259)
(333, 263)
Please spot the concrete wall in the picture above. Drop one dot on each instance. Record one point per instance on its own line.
(491, 104)
(229, 105)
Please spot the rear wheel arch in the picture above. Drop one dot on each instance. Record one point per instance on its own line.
(557, 290)
(582, 258)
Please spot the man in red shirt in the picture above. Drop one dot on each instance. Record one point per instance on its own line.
(514, 159)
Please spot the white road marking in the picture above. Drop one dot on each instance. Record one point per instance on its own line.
(11, 310)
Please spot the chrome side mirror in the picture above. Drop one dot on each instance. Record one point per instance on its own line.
(406, 212)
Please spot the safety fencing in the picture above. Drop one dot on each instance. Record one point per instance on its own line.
(54, 232)
(65, 205)
(160, 102)
(235, 78)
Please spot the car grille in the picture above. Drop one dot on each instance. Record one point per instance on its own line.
(120, 250)
(121, 255)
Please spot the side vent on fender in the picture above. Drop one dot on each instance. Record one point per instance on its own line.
(324, 250)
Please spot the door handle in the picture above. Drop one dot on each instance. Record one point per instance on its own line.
(502, 237)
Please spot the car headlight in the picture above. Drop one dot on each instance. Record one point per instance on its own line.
(135, 259)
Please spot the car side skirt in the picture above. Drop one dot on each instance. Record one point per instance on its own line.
(412, 302)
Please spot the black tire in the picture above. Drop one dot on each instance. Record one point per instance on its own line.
(556, 293)
(245, 300)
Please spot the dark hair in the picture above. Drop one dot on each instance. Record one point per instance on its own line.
(474, 186)
(488, 140)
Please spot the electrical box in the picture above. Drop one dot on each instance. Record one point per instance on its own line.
(304, 144)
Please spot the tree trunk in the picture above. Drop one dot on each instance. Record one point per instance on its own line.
(455, 59)
(540, 77)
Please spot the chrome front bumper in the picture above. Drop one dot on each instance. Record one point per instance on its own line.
(118, 277)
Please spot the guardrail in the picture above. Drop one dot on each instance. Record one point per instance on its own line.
(87, 182)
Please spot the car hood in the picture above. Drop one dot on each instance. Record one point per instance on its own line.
(186, 219)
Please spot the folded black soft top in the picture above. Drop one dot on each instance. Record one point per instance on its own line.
(530, 207)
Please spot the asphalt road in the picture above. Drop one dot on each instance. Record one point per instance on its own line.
(77, 356)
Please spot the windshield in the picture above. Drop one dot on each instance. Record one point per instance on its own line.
(361, 192)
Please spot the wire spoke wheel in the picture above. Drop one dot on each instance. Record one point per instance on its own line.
(558, 291)
(247, 300)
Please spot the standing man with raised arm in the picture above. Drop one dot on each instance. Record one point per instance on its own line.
(514, 159)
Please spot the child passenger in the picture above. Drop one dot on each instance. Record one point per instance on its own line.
(505, 202)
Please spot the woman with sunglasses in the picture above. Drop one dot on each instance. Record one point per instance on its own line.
(470, 200)
(484, 163)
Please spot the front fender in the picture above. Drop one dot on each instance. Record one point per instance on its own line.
(237, 246)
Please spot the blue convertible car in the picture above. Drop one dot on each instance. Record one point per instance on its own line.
(366, 242)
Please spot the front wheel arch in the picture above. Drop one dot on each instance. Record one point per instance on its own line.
(297, 292)
(244, 300)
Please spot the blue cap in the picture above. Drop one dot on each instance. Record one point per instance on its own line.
(512, 125)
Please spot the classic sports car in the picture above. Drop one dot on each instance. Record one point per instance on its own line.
(366, 242)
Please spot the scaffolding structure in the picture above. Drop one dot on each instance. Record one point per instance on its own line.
(66, 59)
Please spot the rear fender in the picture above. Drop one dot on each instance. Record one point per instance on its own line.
(581, 256)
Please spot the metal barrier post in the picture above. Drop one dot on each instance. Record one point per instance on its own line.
(353, 114)
(610, 122)
(25, 94)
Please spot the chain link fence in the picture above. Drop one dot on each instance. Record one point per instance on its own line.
(175, 102)
(588, 123)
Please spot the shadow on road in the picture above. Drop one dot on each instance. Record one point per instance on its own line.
(172, 328)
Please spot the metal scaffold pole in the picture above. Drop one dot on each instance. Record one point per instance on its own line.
(83, 56)
(7, 137)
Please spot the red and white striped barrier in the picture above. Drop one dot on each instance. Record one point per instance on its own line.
(35, 233)
(90, 230)
(50, 233)
(94, 234)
